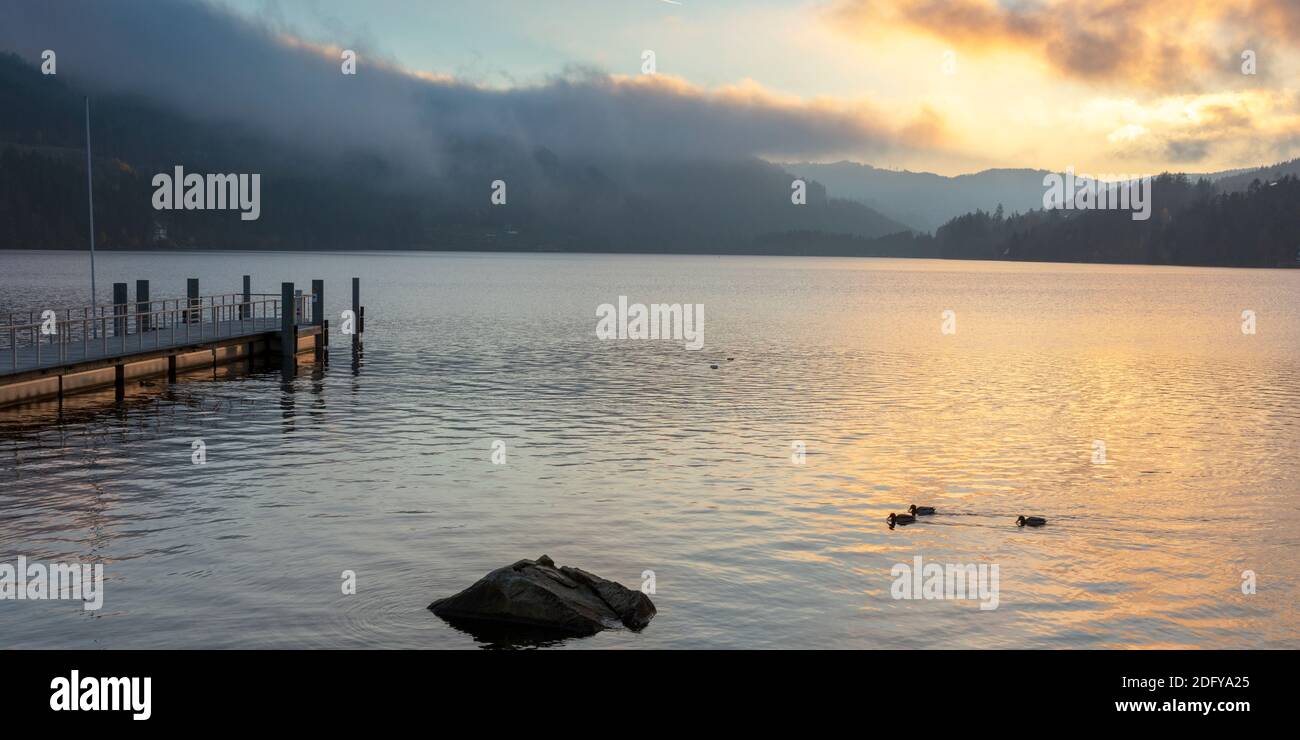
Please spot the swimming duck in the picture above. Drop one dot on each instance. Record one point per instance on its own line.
(900, 519)
(1031, 521)
(921, 510)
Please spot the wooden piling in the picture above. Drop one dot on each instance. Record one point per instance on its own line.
(356, 310)
(119, 309)
(288, 329)
(143, 319)
(192, 301)
(317, 302)
(318, 314)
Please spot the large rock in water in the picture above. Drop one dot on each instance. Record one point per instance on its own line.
(535, 593)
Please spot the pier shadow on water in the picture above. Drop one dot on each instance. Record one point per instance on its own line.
(157, 394)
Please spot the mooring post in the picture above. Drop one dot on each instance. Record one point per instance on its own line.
(119, 310)
(142, 307)
(318, 313)
(356, 310)
(288, 329)
(248, 296)
(192, 300)
(317, 302)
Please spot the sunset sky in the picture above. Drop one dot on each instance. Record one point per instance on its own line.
(1108, 88)
(1118, 87)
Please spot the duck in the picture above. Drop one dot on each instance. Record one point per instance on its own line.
(1031, 521)
(900, 519)
(921, 510)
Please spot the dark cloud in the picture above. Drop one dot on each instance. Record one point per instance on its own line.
(1187, 150)
(208, 63)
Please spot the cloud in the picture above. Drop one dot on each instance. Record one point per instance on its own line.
(1246, 126)
(1160, 45)
(207, 62)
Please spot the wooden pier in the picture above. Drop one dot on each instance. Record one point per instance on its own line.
(50, 353)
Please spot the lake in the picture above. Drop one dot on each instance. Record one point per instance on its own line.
(1123, 403)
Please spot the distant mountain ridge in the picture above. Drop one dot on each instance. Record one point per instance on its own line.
(925, 200)
(1239, 180)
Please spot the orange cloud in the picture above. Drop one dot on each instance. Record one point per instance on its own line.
(1245, 126)
(1162, 45)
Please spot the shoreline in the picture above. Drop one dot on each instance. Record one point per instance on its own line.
(403, 252)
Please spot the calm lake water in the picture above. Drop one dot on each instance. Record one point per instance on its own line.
(627, 456)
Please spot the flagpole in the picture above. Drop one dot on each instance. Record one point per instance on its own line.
(90, 203)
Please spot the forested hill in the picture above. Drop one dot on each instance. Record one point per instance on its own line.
(1192, 223)
(353, 201)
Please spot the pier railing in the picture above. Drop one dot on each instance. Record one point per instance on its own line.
(50, 334)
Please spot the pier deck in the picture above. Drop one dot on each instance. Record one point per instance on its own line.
(51, 353)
